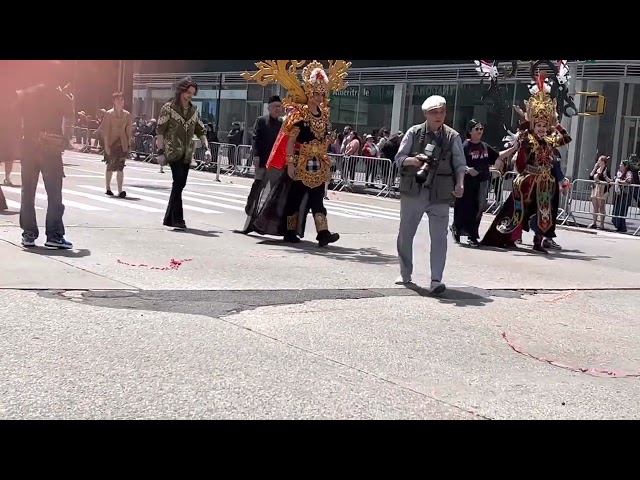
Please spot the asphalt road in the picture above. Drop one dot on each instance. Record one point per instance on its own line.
(247, 327)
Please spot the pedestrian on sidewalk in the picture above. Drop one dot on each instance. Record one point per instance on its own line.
(116, 134)
(41, 109)
(179, 120)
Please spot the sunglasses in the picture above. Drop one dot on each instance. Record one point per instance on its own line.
(478, 129)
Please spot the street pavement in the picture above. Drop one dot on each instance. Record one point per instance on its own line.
(140, 321)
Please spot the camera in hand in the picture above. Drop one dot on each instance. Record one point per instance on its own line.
(430, 161)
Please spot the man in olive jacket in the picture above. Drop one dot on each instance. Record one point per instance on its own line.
(178, 122)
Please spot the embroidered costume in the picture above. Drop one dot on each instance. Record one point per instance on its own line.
(178, 125)
(301, 147)
(530, 204)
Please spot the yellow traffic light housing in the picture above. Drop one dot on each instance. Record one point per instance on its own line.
(594, 103)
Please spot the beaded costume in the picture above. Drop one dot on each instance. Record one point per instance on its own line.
(530, 205)
(307, 153)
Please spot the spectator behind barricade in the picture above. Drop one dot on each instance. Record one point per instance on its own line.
(151, 127)
(370, 150)
(235, 134)
(81, 125)
(390, 150)
(346, 132)
(383, 138)
(622, 196)
(336, 146)
(353, 147)
(599, 189)
(212, 134)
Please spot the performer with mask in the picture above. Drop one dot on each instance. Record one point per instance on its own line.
(299, 166)
(530, 204)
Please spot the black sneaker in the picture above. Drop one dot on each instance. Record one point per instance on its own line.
(109, 193)
(551, 244)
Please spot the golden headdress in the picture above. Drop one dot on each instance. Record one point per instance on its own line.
(540, 106)
(315, 80)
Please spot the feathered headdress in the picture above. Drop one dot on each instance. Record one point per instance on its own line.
(315, 80)
(540, 106)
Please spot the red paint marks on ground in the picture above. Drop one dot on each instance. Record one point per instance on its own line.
(173, 264)
(596, 372)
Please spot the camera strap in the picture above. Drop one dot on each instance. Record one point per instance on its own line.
(422, 138)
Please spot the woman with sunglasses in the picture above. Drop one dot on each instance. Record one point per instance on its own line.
(467, 211)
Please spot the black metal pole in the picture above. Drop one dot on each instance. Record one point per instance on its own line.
(218, 104)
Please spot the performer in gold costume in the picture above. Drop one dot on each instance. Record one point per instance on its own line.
(299, 164)
(530, 205)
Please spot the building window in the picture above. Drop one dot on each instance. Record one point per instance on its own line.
(469, 105)
(375, 108)
(419, 93)
(630, 134)
(344, 107)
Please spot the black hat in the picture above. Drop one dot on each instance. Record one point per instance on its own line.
(273, 99)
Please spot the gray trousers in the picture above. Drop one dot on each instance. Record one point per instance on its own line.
(412, 208)
(50, 165)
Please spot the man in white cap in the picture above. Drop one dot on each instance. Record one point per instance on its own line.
(432, 167)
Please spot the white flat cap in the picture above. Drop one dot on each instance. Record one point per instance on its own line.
(433, 102)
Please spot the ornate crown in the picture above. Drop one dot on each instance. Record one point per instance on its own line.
(540, 106)
(315, 79)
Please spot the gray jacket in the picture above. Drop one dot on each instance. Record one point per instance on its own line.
(452, 161)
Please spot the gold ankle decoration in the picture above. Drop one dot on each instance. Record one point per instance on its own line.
(321, 222)
(292, 222)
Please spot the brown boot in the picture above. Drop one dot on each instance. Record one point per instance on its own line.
(292, 225)
(325, 237)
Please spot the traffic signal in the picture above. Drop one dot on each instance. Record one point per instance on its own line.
(594, 103)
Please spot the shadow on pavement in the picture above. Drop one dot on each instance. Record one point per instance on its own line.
(526, 251)
(152, 187)
(54, 252)
(460, 297)
(8, 213)
(199, 233)
(336, 252)
(221, 303)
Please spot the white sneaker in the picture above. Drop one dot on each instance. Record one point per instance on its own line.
(437, 288)
(402, 280)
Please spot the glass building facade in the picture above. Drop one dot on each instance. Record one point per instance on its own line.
(392, 97)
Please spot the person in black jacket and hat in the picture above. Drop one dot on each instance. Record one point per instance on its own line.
(265, 131)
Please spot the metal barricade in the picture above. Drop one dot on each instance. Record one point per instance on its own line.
(370, 172)
(81, 137)
(223, 157)
(339, 164)
(494, 194)
(621, 203)
(243, 161)
(143, 149)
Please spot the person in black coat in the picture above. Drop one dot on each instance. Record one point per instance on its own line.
(265, 131)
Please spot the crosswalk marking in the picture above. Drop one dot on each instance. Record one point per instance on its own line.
(111, 201)
(14, 204)
(186, 196)
(334, 207)
(157, 201)
(220, 195)
(67, 203)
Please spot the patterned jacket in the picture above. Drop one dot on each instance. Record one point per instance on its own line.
(178, 126)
